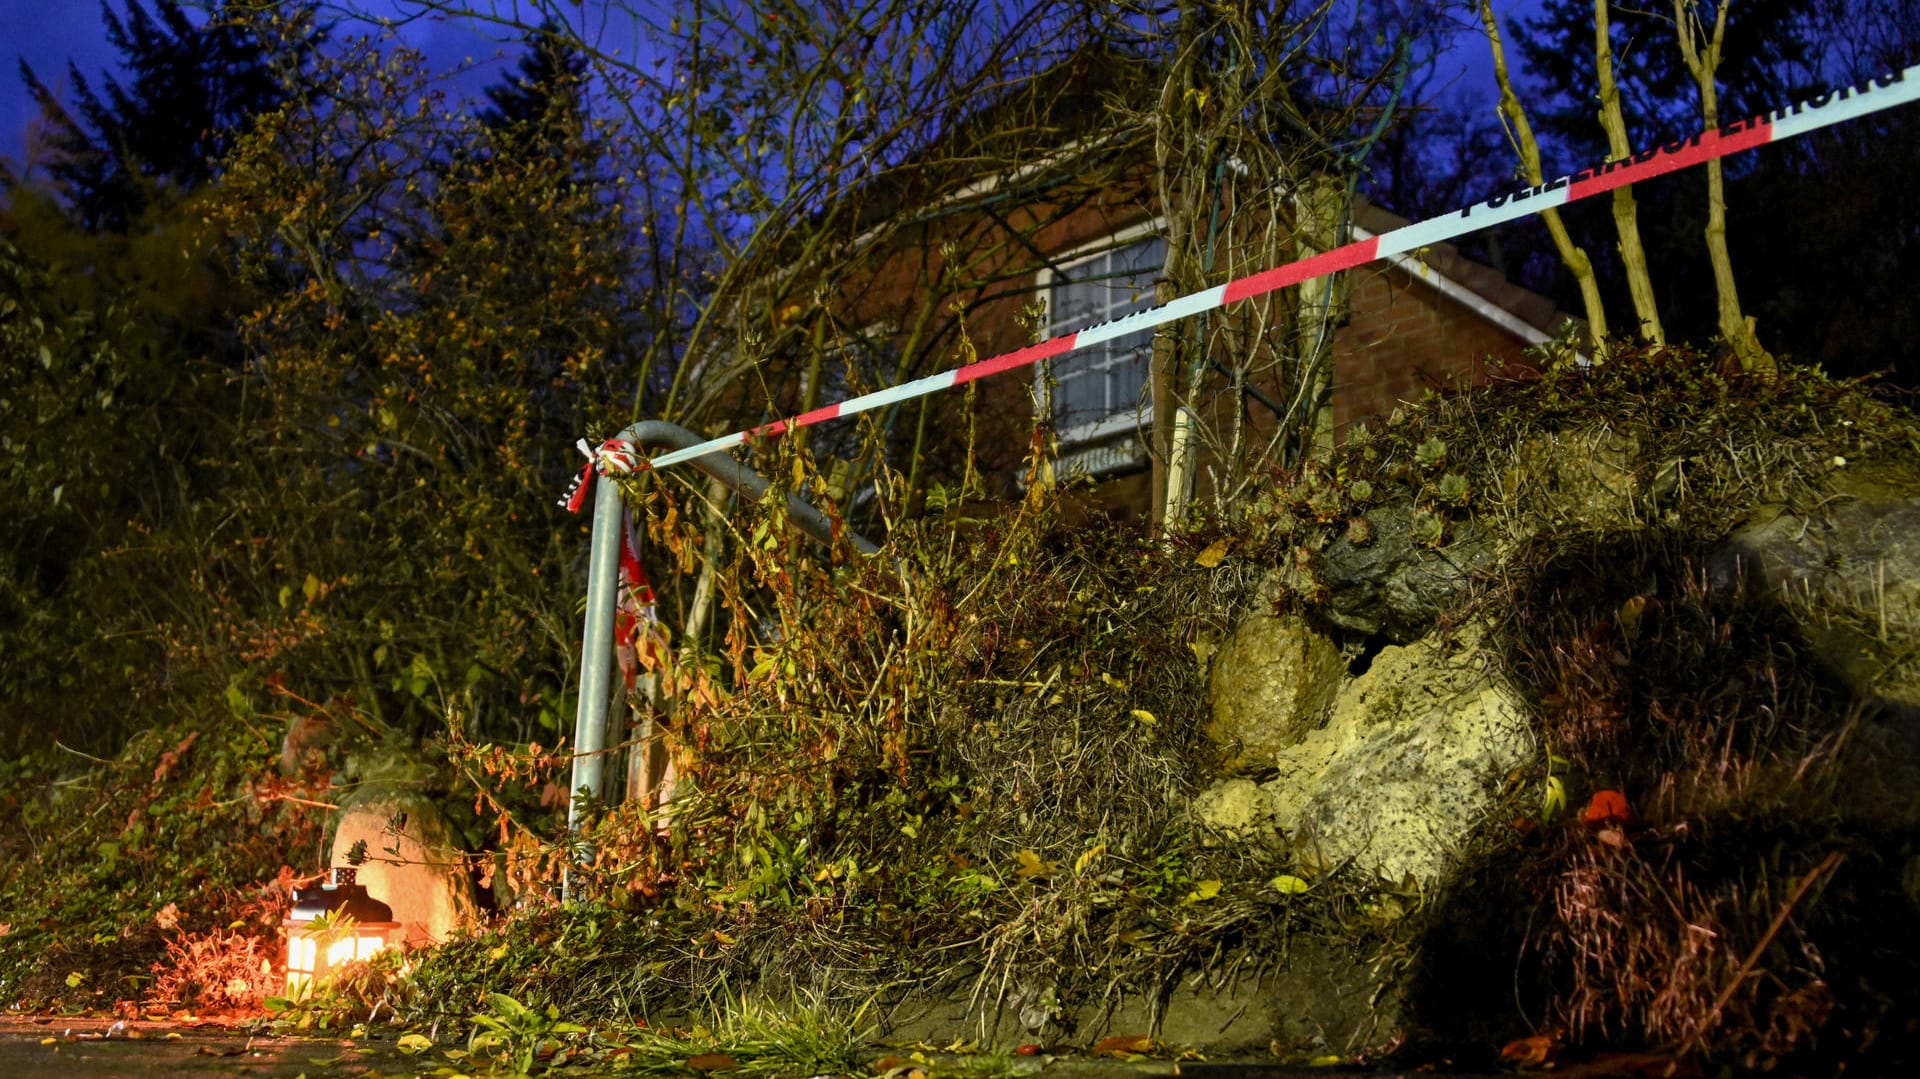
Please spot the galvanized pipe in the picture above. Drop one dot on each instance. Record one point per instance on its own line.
(603, 577)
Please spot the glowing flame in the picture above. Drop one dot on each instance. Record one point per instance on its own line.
(313, 958)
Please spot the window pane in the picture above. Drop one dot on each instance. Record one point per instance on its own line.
(1080, 398)
(1108, 381)
(1124, 382)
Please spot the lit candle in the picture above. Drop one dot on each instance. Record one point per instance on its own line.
(330, 926)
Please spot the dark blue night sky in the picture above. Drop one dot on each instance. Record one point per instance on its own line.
(49, 33)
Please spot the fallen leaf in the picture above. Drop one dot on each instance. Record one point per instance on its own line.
(1531, 1052)
(1630, 614)
(1607, 807)
(1088, 857)
(1203, 891)
(1112, 681)
(1145, 716)
(1215, 553)
(414, 1043)
(1032, 866)
(1288, 884)
(712, 1062)
(1120, 1044)
(1030, 1049)
(890, 1063)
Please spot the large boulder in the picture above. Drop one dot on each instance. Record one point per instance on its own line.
(1272, 682)
(1394, 584)
(1408, 766)
(1236, 811)
(412, 863)
(1849, 576)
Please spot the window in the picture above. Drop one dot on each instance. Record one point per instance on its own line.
(1101, 389)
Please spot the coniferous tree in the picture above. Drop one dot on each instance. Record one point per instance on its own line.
(545, 90)
(189, 87)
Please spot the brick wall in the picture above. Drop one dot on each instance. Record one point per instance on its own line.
(1404, 338)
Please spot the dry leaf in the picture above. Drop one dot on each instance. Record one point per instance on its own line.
(712, 1062)
(1203, 891)
(1630, 614)
(1607, 807)
(1531, 1052)
(1123, 1044)
(1032, 866)
(1215, 553)
(1087, 858)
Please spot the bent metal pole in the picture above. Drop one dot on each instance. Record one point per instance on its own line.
(620, 454)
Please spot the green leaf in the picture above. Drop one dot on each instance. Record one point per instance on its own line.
(237, 702)
(1555, 800)
(414, 1043)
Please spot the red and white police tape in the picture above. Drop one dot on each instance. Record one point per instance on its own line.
(1824, 110)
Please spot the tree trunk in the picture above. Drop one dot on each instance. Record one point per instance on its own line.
(1703, 63)
(1319, 211)
(1528, 149)
(1626, 212)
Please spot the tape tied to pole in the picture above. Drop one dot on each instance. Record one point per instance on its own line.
(613, 456)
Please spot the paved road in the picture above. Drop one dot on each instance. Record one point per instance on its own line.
(101, 1049)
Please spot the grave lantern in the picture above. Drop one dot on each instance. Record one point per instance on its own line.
(332, 925)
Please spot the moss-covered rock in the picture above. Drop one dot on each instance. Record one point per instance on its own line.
(1272, 684)
(1408, 767)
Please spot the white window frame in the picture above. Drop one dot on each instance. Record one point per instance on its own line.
(1043, 281)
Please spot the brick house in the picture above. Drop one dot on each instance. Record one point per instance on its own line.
(1438, 322)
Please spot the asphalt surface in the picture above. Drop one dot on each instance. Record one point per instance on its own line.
(105, 1049)
(75, 1048)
